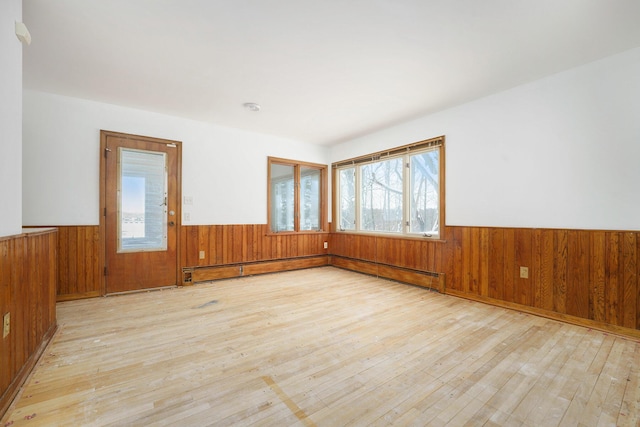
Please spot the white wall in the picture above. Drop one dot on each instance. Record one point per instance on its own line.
(561, 152)
(10, 119)
(224, 170)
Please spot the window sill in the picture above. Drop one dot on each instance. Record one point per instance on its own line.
(393, 236)
(295, 233)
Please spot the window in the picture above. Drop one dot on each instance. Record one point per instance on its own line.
(297, 194)
(398, 191)
(142, 200)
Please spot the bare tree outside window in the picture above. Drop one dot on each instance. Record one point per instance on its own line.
(425, 193)
(395, 191)
(310, 198)
(381, 192)
(347, 180)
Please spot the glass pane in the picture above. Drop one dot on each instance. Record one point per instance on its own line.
(310, 198)
(425, 197)
(347, 181)
(142, 192)
(381, 196)
(282, 197)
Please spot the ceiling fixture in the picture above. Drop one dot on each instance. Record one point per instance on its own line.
(252, 106)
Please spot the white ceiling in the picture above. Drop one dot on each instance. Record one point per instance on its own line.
(324, 71)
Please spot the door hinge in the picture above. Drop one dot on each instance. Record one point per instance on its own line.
(105, 271)
(106, 151)
(104, 212)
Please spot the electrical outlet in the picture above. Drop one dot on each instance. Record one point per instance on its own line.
(201, 256)
(6, 325)
(524, 272)
(326, 245)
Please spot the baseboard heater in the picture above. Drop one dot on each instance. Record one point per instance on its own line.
(427, 279)
(197, 274)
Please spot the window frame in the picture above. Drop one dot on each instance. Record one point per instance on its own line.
(297, 167)
(405, 152)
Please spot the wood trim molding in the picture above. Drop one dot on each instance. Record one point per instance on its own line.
(324, 194)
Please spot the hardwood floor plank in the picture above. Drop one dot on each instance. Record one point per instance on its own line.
(336, 348)
(630, 405)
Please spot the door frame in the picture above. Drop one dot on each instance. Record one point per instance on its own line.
(103, 201)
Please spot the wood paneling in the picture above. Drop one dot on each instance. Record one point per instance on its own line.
(245, 243)
(415, 254)
(406, 260)
(28, 276)
(586, 274)
(576, 274)
(80, 271)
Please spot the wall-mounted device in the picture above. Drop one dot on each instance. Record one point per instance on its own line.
(23, 33)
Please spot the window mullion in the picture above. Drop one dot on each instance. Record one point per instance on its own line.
(406, 194)
(358, 195)
(296, 198)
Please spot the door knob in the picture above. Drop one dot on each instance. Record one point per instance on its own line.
(171, 223)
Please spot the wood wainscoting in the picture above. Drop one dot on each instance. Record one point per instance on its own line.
(246, 249)
(80, 269)
(583, 276)
(28, 276)
(587, 277)
(414, 261)
(225, 247)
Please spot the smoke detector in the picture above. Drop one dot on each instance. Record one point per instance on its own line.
(252, 106)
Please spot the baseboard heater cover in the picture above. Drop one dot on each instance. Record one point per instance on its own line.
(197, 274)
(426, 279)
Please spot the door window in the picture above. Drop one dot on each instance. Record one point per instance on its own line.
(142, 201)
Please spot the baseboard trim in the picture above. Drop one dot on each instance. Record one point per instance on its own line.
(73, 297)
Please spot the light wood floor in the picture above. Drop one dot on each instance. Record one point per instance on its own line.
(323, 347)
